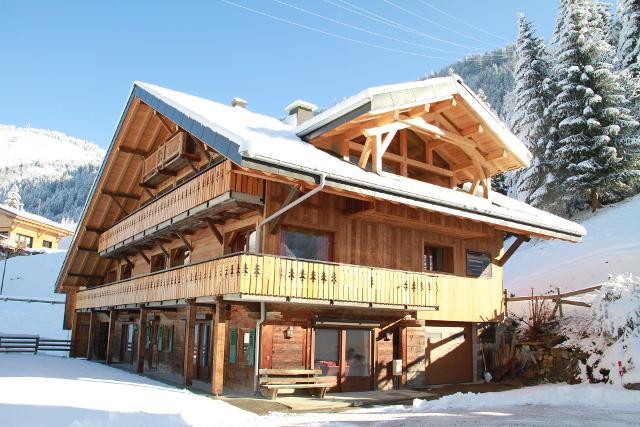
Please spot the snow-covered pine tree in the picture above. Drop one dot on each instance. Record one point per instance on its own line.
(595, 152)
(13, 199)
(628, 48)
(528, 121)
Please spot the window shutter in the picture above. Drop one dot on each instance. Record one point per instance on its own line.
(252, 346)
(170, 343)
(160, 337)
(147, 335)
(233, 345)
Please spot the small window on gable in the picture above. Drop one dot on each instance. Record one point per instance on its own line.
(478, 264)
(158, 262)
(47, 244)
(179, 256)
(438, 259)
(245, 241)
(125, 271)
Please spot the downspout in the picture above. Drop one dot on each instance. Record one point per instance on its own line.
(261, 224)
(256, 362)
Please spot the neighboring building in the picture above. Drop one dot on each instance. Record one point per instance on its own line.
(217, 239)
(21, 230)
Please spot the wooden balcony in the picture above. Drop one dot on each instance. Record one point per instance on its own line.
(246, 277)
(167, 159)
(215, 193)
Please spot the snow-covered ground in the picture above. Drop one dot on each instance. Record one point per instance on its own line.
(612, 246)
(54, 391)
(32, 277)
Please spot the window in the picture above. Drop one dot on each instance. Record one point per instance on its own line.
(26, 241)
(358, 349)
(179, 256)
(327, 351)
(47, 244)
(248, 345)
(245, 241)
(158, 262)
(4, 234)
(306, 244)
(438, 258)
(125, 271)
(478, 264)
(112, 276)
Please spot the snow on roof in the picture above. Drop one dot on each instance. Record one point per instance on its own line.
(299, 103)
(383, 98)
(266, 139)
(37, 218)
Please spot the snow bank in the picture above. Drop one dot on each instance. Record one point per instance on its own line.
(53, 391)
(591, 395)
(32, 277)
(609, 331)
(612, 246)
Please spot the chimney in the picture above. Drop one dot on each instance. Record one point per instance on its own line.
(239, 102)
(302, 110)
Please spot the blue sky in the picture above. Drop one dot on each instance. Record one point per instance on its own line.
(69, 66)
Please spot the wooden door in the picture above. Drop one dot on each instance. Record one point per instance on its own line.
(100, 341)
(151, 353)
(127, 342)
(449, 353)
(201, 359)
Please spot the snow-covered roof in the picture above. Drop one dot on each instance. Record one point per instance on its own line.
(299, 103)
(35, 218)
(384, 98)
(259, 141)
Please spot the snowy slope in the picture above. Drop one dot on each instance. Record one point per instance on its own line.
(32, 277)
(30, 153)
(53, 171)
(612, 246)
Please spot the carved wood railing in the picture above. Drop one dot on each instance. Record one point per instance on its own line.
(201, 188)
(273, 276)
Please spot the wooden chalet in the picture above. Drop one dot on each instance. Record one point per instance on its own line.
(218, 242)
(22, 231)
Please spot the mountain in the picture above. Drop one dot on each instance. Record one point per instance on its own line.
(53, 171)
(491, 72)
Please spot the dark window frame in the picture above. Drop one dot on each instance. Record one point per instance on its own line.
(23, 238)
(153, 267)
(47, 244)
(448, 257)
(488, 270)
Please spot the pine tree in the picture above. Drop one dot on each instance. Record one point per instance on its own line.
(628, 48)
(594, 151)
(13, 199)
(531, 97)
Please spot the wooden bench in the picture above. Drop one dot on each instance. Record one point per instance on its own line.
(273, 380)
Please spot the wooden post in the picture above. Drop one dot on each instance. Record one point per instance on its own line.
(69, 307)
(505, 302)
(189, 343)
(92, 320)
(403, 352)
(218, 347)
(74, 333)
(111, 336)
(142, 338)
(559, 302)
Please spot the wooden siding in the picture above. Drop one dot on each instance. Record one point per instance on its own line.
(204, 187)
(270, 276)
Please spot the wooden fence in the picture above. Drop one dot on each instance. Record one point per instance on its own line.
(32, 344)
(559, 298)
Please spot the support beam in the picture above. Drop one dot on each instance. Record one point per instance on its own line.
(486, 187)
(474, 187)
(162, 248)
(472, 130)
(294, 193)
(366, 151)
(166, 123)
(118, 204)
(184, 240)
(111, 336)
(218, 346)
(120, 194)
(133, 151)
(189, 342)
(141, 343)
(144, 256)
(441, 106)
(214, 230)
(403, 152)
(128, 261)
(86, 276)
(205, 153)
(85, 249)
(502, 259)
(96, 230)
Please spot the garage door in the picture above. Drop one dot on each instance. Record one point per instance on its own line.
(449, 353)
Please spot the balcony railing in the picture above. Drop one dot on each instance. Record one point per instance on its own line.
(273, 278)
(168, 158)
(199, 190)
